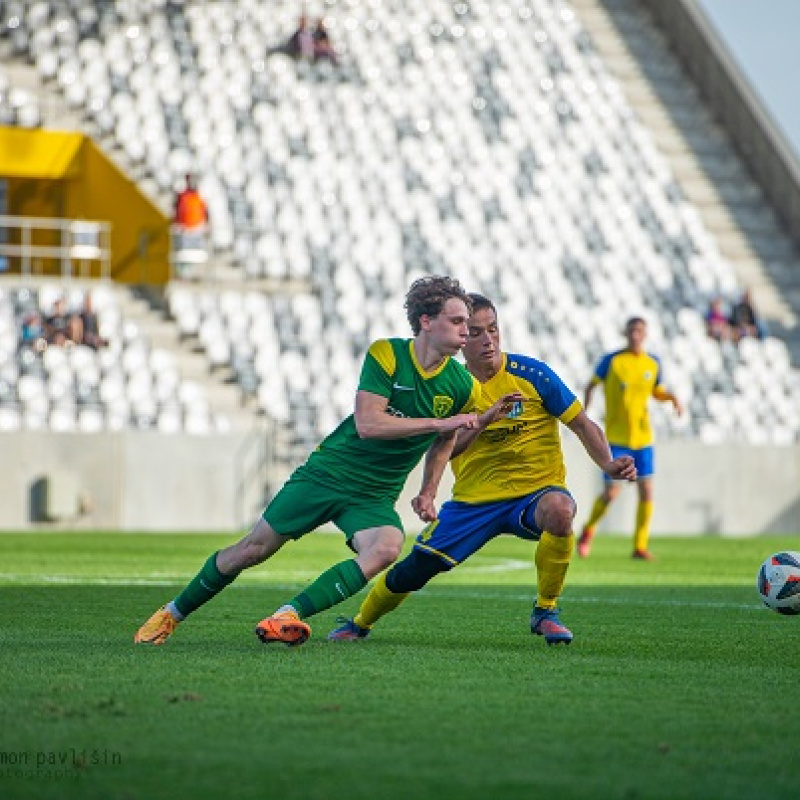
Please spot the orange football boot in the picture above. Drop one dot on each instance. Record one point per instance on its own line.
(157, 629)
(285, 627)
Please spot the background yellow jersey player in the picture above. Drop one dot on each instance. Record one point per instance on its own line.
(509, 478)
(630, 377)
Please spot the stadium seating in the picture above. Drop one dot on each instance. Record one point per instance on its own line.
(18, 107)
(483, 139)
(65, 388)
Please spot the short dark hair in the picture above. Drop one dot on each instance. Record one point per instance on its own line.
(635, 321)
(427, 296)
(480, 302)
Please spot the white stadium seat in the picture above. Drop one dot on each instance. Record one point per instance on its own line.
(533, 181)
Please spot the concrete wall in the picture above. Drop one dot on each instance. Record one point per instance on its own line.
(132, 480)
(730, 490)
(148, 481)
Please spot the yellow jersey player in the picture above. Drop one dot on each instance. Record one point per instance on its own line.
(509, 478)
(630, 377)
(411, 393)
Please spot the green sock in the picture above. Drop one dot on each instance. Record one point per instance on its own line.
(338, 583)
(208, 583)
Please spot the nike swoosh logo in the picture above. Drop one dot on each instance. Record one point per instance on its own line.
(403, 388)
(340, 590)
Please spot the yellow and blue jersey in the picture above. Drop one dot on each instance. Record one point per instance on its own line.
(629, 381)
(528, 436)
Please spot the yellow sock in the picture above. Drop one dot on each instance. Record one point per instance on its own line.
(378, 602)
(552, 560)
(644, 513)
(598, 509)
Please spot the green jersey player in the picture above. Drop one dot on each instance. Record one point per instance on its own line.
(410, 392)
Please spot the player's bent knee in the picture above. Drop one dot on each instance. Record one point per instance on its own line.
(383, 554)
(561, 522)
(413, 572)
(560, 529)
(555, 514)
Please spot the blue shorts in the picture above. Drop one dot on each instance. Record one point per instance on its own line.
(643, 458)
(463, 528)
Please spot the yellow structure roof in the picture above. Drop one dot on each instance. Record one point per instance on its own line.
(39, 154)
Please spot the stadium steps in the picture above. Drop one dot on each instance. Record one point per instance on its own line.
(57, 114)
(146, 307)
(142, 308)
(704, 163)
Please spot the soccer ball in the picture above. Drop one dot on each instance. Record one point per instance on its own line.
(779, 582)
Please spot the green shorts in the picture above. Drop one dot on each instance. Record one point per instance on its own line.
(305, 503)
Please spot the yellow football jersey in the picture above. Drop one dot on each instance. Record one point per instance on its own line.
(521, 452)
(629, 381)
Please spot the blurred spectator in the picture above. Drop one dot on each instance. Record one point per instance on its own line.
(323, 48)
(744, 321)
(301, 42)
(191, 217)
(717, 324)
(87, 327)
(60, 326)
(32, 331)
(190, 208)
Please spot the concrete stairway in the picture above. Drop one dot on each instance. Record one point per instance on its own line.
(142, 307)
(223, 393)
(702, 159)
(57, 114)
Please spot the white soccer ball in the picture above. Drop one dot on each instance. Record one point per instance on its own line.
(779, 582)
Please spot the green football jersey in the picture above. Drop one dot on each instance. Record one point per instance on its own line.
(379, 467)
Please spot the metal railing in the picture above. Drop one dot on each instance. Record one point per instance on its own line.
(191, 253)
(79, 243)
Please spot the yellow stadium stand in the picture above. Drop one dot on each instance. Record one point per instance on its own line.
(54, 175)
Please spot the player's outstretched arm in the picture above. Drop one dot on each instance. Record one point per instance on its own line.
(424, 504)
(373, 422)
(666, 396)
(596, 445)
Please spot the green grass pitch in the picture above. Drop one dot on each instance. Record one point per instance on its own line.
(679, 684)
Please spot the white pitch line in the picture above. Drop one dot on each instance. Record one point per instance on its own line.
(80, 580)
(33, 579)
(166, 579)
(456, 593)
(506, 565)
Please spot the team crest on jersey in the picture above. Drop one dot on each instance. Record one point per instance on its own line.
(442, 405)
(516, 410)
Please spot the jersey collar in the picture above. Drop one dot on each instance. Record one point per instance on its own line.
(418, 366)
